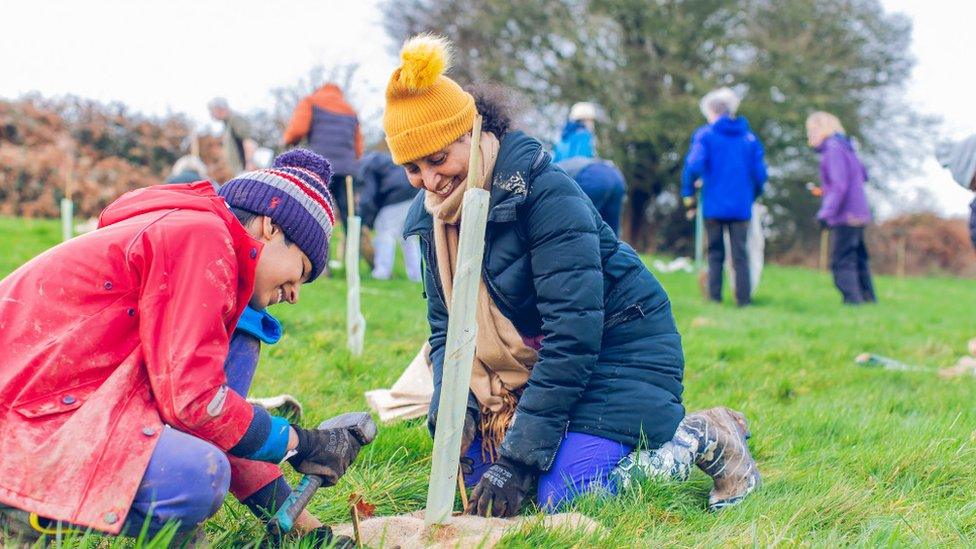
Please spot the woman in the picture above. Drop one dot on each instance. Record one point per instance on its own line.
(578, 358)
(844, 208)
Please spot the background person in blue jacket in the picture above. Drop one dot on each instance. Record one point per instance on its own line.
(578, 360)
(729, 159)
(600, 179)
(577, 137)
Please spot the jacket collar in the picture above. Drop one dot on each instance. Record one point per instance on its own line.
(520, 159)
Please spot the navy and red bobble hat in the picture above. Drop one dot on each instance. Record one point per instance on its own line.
(294, 193)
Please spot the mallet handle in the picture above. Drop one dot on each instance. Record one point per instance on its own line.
(284, 519)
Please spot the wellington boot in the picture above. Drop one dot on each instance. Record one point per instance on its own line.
(724, 456)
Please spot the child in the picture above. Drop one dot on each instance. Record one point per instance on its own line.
(116, 402)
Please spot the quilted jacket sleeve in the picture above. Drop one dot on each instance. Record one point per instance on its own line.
(563, 236)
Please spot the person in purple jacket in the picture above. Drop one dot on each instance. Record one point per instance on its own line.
(844, 208)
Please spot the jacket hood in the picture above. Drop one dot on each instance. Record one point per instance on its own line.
(199, 196)
(330, 97)
(836, 140)
(732, 126)
(571, 127)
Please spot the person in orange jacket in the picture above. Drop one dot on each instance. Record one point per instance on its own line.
(331, 128)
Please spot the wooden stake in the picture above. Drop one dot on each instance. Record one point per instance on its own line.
(824, 246)
(902, 252)
(67, 205)
(460, 345)
(354, 513)
(350, 201)
(355, 323)
(195, 144)
(464, 491)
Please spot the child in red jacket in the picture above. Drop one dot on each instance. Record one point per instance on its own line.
(116, 405)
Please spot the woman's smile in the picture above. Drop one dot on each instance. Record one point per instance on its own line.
(447, 190)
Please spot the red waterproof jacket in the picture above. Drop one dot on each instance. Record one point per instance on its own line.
(110, 335)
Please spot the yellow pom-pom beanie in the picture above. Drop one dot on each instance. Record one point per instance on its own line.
(425, 110)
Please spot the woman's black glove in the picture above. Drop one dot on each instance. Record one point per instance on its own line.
(325, 452)
(501, 489)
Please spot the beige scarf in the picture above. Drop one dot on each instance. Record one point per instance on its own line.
(502, 360)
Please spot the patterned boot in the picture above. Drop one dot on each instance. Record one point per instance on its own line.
(713, 439)
(724, 455)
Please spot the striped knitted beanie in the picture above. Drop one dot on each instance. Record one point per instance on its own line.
(294, 193)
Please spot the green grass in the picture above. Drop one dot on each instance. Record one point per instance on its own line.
(848, 455)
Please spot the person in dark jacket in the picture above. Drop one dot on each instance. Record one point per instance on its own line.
(330, 126)
(960, 159)
(602, 183)
(578, 360)
(729, 159)
(383, 204)
(844, 207)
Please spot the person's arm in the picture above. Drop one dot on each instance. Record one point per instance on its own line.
(836, 179)
(187, 292)
(568, 279)
(301, 122)
(437, 319)
(694, 166)
(759, 173)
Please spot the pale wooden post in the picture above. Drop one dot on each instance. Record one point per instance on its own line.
(900, 256)
(824, 247)
(459, 347)
(67, 205)
(355, 323)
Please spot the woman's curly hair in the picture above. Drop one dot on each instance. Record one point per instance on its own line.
(495, 105)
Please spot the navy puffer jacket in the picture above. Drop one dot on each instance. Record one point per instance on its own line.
(611, 363)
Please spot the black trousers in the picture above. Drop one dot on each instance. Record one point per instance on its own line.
(738, 231)
(849, 264)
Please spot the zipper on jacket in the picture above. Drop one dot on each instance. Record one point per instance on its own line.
(431, 261)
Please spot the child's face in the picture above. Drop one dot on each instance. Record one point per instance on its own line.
(442, 172)
(282, 267)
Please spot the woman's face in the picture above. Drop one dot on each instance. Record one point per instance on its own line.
(444, 171)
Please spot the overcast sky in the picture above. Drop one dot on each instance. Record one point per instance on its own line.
(178, 54)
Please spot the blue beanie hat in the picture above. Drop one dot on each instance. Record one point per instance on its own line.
(294, 193)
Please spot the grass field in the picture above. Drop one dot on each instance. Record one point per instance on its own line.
(848, 455)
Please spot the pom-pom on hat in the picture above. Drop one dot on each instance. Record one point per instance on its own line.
(294, 193)
(425, 110)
